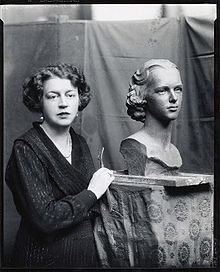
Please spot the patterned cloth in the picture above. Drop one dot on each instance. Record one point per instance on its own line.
(156, 227)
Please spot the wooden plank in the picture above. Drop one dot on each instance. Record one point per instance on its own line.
(183, 179)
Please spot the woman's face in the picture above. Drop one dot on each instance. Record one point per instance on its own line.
(164, 96)
(60, 102)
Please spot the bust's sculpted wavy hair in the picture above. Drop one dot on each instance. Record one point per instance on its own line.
(139, 84)
(33, 86)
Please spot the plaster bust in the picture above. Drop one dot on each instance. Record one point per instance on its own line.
(154, 98)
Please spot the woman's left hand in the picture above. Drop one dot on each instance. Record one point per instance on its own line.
(100, 181)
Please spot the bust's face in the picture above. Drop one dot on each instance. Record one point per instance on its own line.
(164, 96)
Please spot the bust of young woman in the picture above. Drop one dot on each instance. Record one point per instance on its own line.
(154, 98)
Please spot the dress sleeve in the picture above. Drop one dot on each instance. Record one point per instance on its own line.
(33, 195)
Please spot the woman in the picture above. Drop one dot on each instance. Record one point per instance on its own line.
(154, 98)
(50, 173)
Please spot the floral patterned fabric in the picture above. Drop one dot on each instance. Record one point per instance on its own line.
(156, 227)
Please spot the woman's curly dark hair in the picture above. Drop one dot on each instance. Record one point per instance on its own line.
(139, 83)
(33, 86)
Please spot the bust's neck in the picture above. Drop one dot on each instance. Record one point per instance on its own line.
(158, 132)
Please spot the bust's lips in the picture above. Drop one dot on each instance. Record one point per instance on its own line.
(173, 108)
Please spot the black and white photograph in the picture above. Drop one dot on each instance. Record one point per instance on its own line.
(109, 136)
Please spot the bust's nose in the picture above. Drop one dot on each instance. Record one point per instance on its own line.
(173, 97)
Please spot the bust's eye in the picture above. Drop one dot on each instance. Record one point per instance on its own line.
(161, 91)
(178, 89)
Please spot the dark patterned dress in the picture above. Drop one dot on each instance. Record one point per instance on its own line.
(51, 197)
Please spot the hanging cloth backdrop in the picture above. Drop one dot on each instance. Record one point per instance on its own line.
(109, 53)
(114, 51)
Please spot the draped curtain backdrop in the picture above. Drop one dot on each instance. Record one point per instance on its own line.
(109, 53)
(115, 50)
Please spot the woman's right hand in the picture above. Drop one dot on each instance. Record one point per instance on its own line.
(100, 181)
